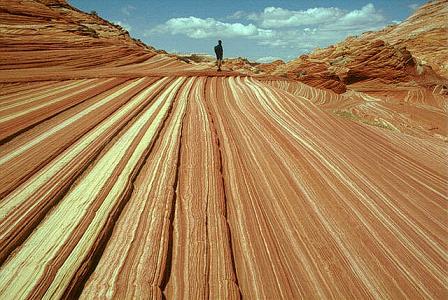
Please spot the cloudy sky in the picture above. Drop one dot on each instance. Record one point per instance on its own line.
(260, 30)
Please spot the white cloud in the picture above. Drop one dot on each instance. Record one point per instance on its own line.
(267, 59)
(126, 26)
(316, 27)
(413, 6)
(280, 28)
(128, 9)
(359, 19)
(198, 28)
(237, 15)
(294, 39)
(310, 31)
(276, 17)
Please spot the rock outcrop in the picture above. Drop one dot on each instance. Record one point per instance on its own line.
(268, 68)
(392, 78)
(129, 174)
(412, 110)
(424, 34)
(235, 64)
(47, 39)
(407, 52)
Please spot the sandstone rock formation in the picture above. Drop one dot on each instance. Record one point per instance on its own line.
(136, 175)
(239, 64)
(268, 68)
(412, 110)
(356, 60)
(46, 39)
(424, 34)
(393, 78)
(413, 51)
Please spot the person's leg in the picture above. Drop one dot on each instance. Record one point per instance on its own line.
(219, 64)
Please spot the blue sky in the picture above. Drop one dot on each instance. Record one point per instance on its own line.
(259, 30)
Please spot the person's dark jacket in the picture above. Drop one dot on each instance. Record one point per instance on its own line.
(218, 51)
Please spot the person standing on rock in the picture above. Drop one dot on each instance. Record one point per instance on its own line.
(219, 53)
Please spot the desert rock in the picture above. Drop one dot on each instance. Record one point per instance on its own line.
(128, 173)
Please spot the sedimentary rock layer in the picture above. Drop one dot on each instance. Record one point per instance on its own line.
(424, 33)
(414, 51)
(43, 40)
(414, 110)
(206, 187)
(127, 173)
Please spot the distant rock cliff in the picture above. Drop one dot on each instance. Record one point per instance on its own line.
(414, 50)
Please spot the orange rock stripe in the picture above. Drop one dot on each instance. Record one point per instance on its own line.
(117, 164)
(146, 218)
(38, 146)
(415, 251)
(20, 208)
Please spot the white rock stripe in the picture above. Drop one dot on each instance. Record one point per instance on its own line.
(232, 188)
(384, 218)
(37, 189)
(67, 122)
(146, 219)
(24, 92)
(45, 104)
(49, 92)
(45, 244)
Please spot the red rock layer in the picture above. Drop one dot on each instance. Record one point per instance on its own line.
(408, 52)
(268, 68)
(412, 110)
(357, 60)
(143, 180)
(424, 34)
(321, 97)
(218, 187)
(41, 42)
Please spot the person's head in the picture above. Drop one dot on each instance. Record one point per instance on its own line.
(220, 42)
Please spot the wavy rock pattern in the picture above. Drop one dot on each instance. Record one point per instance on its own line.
(412, 110)
(425, 34)
(413, 52)
(216, 187)
(157, 179)
(43, 40)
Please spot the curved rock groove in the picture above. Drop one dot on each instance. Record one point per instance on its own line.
(250, 159)
(127, 173)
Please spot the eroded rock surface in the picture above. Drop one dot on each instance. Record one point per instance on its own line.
(414, 51)
(424, 34)
(394, 78)
(142, 176)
